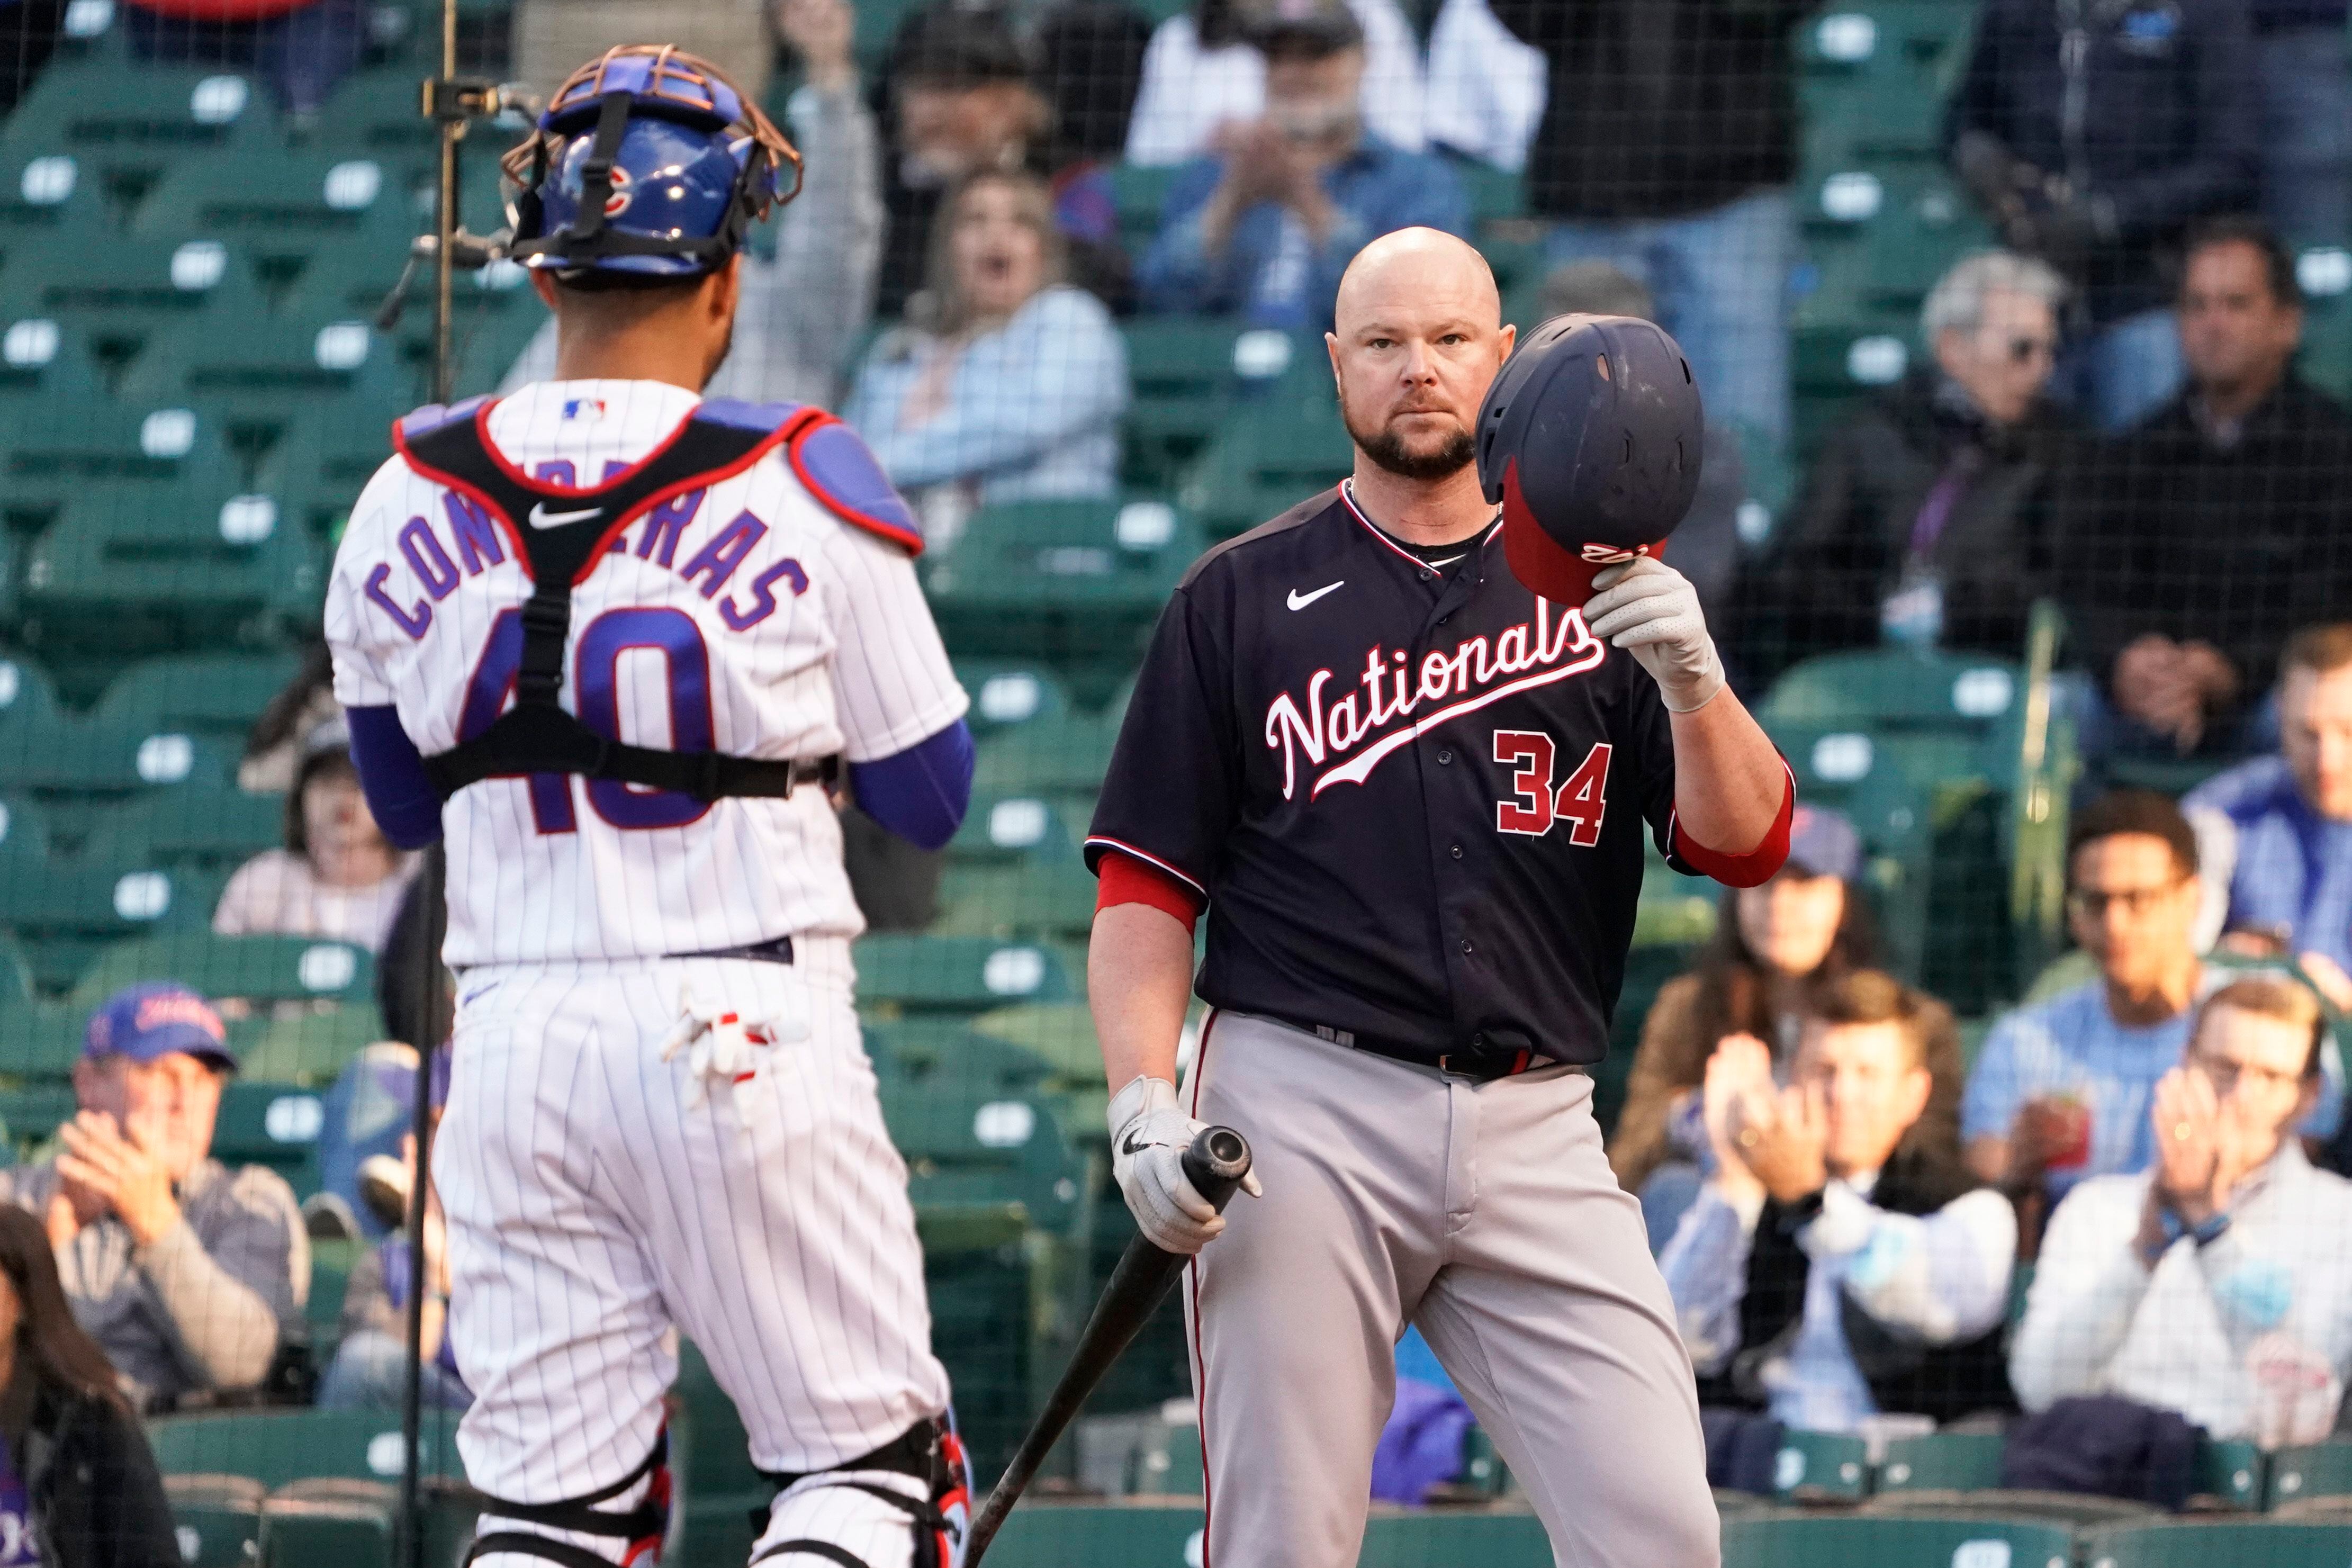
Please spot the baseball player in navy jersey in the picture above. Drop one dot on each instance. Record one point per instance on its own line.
(1409, 788)
(602, 636)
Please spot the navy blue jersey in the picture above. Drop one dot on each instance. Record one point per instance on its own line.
(1413, 797)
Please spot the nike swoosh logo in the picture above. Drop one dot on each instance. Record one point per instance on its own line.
(1299, 601)
(542, 518)
(1131, 1146)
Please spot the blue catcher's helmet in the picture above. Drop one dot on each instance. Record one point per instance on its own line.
(647, 162)
(1589, 439)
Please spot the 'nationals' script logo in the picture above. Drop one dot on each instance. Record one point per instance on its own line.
(1534, 655)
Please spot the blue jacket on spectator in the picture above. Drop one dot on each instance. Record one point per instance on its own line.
(1031, 412)
(2288, 870)
(1269, 269)
(2164, 129)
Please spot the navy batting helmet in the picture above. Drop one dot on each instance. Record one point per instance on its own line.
(1590, 440)
(646, 163)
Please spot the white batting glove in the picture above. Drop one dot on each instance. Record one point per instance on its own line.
(1651, 610)
(1149, 1136)
(720, 1044)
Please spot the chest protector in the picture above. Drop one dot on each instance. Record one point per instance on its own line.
(559, 536)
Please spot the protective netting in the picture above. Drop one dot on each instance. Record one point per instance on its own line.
(2021, 327)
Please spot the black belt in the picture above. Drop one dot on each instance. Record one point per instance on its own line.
(778, 949)
(1479, 1064)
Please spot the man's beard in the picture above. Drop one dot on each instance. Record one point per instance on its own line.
(1386, 447)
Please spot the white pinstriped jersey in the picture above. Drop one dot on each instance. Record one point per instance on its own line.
(814, 635)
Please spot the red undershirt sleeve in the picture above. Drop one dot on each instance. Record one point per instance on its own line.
(1127, 880)
(1753, 869)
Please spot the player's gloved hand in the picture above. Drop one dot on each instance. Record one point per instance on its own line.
(721, 1043)
(1149, 1136)
(1651, 610)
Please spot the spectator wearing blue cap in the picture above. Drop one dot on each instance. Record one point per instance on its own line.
(188, 1273)
(1808, 926)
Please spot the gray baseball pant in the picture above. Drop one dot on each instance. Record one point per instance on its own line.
(1486, 1214)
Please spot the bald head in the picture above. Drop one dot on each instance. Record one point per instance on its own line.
(1420, 267)
(1417, 337)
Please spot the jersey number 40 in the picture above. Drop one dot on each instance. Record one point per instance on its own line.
(596, 674)
(1581, 800)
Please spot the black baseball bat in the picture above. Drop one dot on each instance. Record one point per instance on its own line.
(1214, 1164)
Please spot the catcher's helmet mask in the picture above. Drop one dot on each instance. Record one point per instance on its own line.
(1590, 440)
(643, 136)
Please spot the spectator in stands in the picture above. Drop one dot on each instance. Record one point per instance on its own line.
(1485, 87)
(273, 749)
(2305, 80)
(303, 47)
(2276, 833)
(551, 37)
(2218, 1283)
(2061, 1089)
(188, 1273)
(77, 1485)
(338, 876)
(800, 311)
(2190, 549)
(1265, 227)
(371, 1361)
(1833, 1268)
(1007, 384)
(962, 102)
(2098, 167)
(1090, 68)
(1809, 926)
(1924, 519)
(1667, 136)
(1706, 544)
(1204, 80)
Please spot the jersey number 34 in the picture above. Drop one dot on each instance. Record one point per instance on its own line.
(1580, 800)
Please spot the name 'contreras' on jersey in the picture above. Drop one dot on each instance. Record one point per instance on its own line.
(745, 617)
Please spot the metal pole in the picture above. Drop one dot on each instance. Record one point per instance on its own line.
(432, 882)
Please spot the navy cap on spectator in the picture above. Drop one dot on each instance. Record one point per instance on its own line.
(1822, 843)
(1309, 29)
(949, 46)
(151, 1021)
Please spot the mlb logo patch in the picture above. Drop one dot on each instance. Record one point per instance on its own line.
(583, 408)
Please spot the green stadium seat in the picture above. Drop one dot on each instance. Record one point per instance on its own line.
(1415, 1538)
(217, 1518)
(1007, 693)
(45, 193)
(1495, 194)
(1045, 899)
(1843, 765)
(215, 696)
(2193, 1543)
(1821, 1467)
(1006, 830)
(38, 1041)
(272, 1124)
(1947, 719)
(959, 975)
(140, 121)
(284, 208)
(330, 1276)
(1061, 759)
(270, 370)
(1060, 1034)
(1947, 1462)
(64, 917)
(206, 826)
(380, 109)
(99, 456)
(968, 1150)
(2070, 1511)
(260, 969)
(2316, 1471)
(1271, 453)
(338, 1520)
(306, 1048)
(279, 1447)
(1070, 581)
(944, 1055)
(2235, 1474)
(131, 287)
(1869, 1541)
(212, 567)
(1182, 369)
(1874, 77)
(1140, 193)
